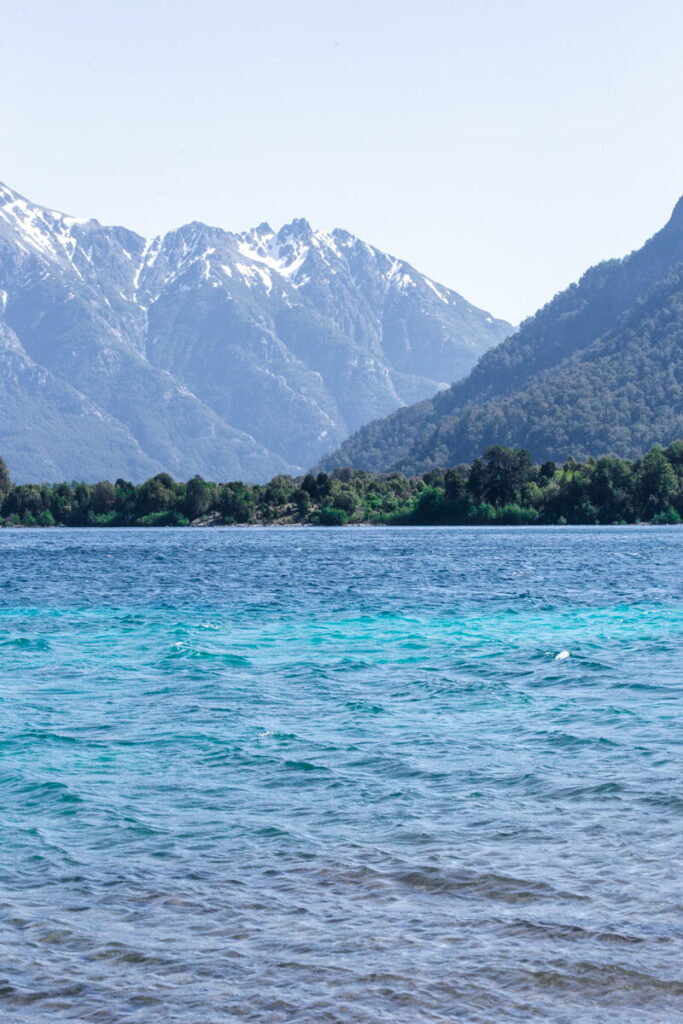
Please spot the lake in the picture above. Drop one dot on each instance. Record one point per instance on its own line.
(356, 775)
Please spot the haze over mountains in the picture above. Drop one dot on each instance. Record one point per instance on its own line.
(597, 371)
(204, 351)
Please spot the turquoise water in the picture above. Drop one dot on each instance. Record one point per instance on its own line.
(341, 776)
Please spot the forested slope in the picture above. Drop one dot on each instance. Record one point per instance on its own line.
(599, 370)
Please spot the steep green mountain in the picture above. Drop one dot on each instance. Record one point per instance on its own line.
(597, 371)
(205, 351)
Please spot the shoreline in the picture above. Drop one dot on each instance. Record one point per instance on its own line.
(346, 526)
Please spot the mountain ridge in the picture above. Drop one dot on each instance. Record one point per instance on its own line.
(227, 354)
(549, 386)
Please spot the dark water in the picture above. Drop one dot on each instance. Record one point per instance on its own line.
(341, 776)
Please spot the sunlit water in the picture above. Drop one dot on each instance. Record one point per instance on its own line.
(341, 776)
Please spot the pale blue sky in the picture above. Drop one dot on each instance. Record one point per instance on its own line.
(501, 147)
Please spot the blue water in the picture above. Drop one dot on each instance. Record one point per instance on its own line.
(341, 775)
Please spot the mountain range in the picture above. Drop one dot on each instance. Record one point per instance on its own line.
(231, 355)
(597, 371)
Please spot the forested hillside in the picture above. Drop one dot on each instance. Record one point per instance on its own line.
(599, 370)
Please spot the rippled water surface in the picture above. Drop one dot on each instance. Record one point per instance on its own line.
(341, 776)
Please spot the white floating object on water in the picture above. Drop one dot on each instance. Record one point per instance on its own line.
(562, 655)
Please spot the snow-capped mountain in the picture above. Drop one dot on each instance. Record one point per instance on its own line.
(206, 351)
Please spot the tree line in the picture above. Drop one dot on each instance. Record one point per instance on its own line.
(501, 487)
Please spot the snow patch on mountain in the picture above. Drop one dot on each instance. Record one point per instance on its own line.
(225, 353)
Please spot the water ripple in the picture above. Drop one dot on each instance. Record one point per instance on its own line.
(306, 776)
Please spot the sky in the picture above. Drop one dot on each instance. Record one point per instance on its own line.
(500, 146)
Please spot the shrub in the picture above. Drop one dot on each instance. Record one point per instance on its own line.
(669, 517)
(346, 501)
(330, 516)
(514, 515)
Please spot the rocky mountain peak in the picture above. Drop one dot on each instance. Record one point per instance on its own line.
(298, 228)
(677, 215)
(6, 194)
(229, 355)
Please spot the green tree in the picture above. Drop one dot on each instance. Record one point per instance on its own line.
(571, 501)
(430, 507)
(477, 481)
(236, 503)
(198, 497)
(546, 472)
(322, 482)
(674, 454)
(455, 485)
(347, 501)
(302, 500)
(80, 505)
(310, 485)
(656, 483)
(276, 492)
(155, 495)
(103, 497)
(507, 470)
(5, 482)
(609, 489)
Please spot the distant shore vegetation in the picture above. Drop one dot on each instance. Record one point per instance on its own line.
(502, 487)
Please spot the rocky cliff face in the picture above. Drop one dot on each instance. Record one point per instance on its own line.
(205, 351)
